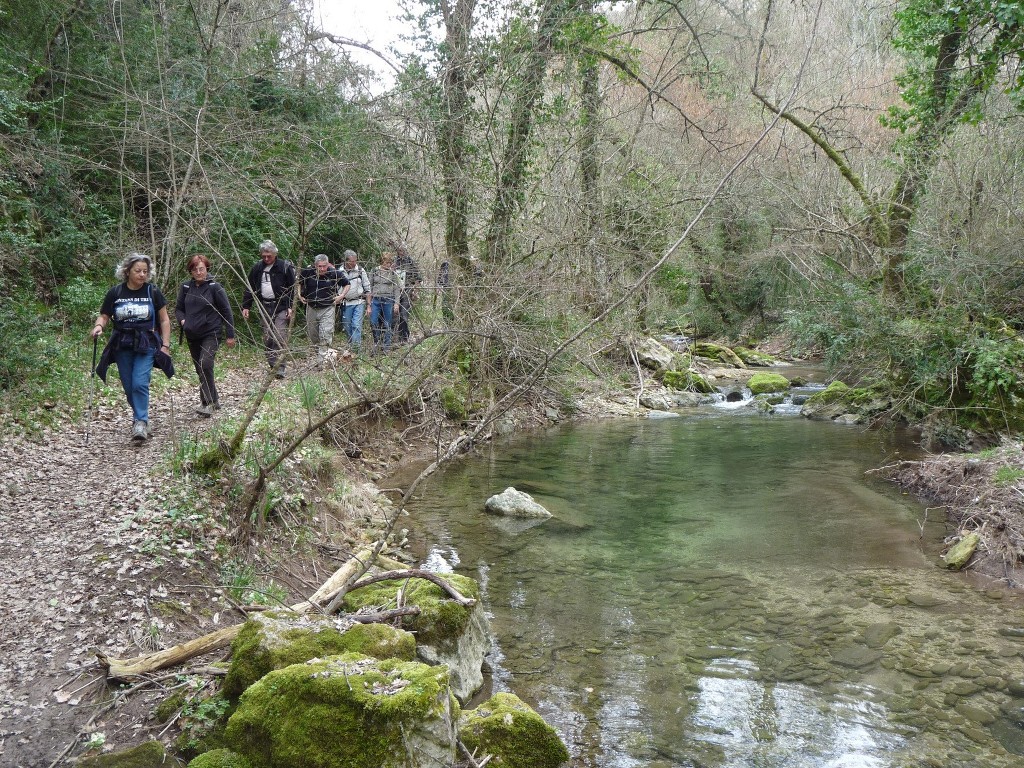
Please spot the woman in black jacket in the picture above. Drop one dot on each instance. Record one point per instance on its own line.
(202, 309)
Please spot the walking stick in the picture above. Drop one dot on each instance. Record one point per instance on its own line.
(92, 388)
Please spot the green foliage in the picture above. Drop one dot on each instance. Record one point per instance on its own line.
(245, 585)
(968, 43)
(1005, 475)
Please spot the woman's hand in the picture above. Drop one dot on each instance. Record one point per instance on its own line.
(97, 331)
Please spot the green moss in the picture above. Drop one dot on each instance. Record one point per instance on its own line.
(510, 730)
(148, 755)
(167, 708)
(764, 383)
(220, 758)
(836, 392)
(347, 710)
(753, 357)
(441, 620)
(278, 639)
(688, 381)
(717, 352)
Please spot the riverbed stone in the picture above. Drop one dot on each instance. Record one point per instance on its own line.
(855, 656)
(1015, 688)
(922, 600)
(877, 635)
(515, 503)
(347, 710)
(975, 714)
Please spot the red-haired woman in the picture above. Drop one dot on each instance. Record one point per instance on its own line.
(202, 311)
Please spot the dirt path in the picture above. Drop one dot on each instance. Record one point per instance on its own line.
(80, 572)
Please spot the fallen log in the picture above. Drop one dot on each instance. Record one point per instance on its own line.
(127, 669)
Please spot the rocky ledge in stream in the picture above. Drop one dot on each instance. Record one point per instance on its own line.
(343, 690)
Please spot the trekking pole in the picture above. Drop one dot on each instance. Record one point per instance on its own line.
(92, 388)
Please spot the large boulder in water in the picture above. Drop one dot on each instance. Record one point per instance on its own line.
(507, 728)
(765, 383)
(513, 503)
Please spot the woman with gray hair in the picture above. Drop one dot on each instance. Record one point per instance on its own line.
(137, 309)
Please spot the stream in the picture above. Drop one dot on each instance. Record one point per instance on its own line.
(730, 589)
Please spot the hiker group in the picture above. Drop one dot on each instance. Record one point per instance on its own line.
(334, 298)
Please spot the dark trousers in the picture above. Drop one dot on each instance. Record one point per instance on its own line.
(203, 350)
(402, 318)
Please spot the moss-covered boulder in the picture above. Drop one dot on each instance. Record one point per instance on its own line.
(688, 381)
(446, 632)
(765, 383)
(719, 353)
(220, 758)
(960, 553)
(277, 639)
(148, 755)
(752, 357)
(347, 710)
(837, 400)
(513, 733)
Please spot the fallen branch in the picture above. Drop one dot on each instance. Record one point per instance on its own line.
(416, 573)
(125, 669)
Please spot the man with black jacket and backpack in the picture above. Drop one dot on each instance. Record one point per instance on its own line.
(269, 288)
(321, 288)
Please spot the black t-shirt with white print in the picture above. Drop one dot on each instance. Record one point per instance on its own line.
(133, 310)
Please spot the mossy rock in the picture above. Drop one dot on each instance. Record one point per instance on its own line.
(838, 399)
(277, 639)
(220, 758)
(765, 383)
(169, 707)
(719, 353)
(687, 381)
(753, 357)
(510, 730)
(148, 755)
(960, 553)
(441, 620)
(347, 710)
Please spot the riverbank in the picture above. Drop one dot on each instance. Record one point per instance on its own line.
(115, 547)
(976, 492)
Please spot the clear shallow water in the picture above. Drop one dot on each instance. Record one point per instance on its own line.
(730, 590)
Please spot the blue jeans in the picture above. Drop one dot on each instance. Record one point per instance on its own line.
(380, 322)
(352, 322)
(134, 369)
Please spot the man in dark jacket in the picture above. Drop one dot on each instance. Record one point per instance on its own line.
(322, 288)
(270, 285)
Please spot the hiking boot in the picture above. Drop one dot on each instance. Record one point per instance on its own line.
(205, 410)
(139, 430)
